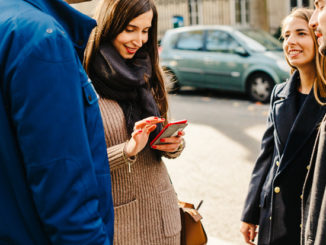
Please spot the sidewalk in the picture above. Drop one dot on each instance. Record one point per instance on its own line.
(214, 168)
(216, 241)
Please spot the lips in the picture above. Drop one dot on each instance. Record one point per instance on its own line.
(294, 52)
(131, 50)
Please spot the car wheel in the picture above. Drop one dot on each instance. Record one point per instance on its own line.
(259, 87)
(173, 83)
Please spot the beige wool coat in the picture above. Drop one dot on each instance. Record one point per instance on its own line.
(145, 203)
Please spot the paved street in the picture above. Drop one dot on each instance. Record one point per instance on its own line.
(222, 143)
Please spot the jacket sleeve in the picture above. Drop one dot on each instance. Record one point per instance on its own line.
(250, 213)
(47, 107)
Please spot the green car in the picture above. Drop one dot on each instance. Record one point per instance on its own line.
(226, 58)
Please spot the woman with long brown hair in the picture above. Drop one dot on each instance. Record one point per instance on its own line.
(122, 61)
(275, 192)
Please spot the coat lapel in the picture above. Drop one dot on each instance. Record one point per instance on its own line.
(284, 112)
(304, 125)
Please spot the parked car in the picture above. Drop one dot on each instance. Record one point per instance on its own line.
(224, 57)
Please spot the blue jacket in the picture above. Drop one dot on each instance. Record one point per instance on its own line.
(54, 175)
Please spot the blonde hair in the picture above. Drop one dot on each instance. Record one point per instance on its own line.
(112, 17)
(320, 65)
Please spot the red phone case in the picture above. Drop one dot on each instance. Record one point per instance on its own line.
(169, 130)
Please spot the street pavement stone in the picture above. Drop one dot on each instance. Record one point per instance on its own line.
(213, 168)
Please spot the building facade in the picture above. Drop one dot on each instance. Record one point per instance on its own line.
(262, 14)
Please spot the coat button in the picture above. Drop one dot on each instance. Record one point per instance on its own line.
(89, 98)
(270, 217)
(308, 167)
(277, 163)
(301, 196)
(300, 225)
(277, 189)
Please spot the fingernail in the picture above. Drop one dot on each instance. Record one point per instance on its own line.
(140, 131)
(155, 117)
(162, 140)
(179, 133)
(148, 121)
(154, 146)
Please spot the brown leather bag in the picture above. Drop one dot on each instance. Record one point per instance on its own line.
(192, 232)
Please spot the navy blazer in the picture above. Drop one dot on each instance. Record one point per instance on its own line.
(274, 196)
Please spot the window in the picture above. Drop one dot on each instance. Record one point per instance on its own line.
(220, 41)
(299, 3)
(190, 40)
(193, 12)
(242, 12)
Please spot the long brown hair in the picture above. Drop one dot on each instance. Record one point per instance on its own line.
(112, 17)
(320, 64)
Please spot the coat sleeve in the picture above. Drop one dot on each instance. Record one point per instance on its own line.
(250, 213)
(47, 108)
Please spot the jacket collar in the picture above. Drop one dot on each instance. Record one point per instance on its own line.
(77, 25)
(291, 86)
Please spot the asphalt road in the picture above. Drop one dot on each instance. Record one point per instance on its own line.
(222, 143)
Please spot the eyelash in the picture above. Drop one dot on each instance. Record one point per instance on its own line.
(133, 30)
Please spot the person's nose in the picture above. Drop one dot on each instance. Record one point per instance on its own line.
(313, 22)
(291, 40)
(138, 40)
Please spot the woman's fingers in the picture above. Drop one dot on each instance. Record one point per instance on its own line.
(252, 232)
(137, 132)
(249, 232)
(171, 140)
(166, 147)
(148, 121)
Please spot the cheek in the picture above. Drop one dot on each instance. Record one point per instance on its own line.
(285, 46)
(321, 17)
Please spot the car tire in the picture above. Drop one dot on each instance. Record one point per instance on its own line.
(172, 81)
(260, 86)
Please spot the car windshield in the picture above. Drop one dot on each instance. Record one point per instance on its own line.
(259, 41)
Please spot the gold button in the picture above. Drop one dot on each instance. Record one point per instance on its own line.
(308, 167)
(300, 225)
(277, 189)
(301, 196)
(270, 217)
(277, 163)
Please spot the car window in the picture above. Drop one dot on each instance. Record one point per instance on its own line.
(258, 40)
(192, 40)
(220, 41)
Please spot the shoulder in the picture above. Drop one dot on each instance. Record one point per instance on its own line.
(33, 32)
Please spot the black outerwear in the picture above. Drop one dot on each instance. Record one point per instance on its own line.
(274, 198)
(314, 198)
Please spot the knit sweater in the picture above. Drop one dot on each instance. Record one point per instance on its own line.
(145, 203)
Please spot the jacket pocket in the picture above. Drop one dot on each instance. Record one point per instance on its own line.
(126, 224)
(170, 213)
(89, 92)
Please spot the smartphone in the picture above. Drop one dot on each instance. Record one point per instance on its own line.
(171, 129)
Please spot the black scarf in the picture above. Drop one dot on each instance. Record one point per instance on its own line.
(125, 82)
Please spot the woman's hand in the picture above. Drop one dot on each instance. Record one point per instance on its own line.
(171, 144)
(249, 232)
(140, 135)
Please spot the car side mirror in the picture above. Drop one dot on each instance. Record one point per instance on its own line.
(241, 51)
